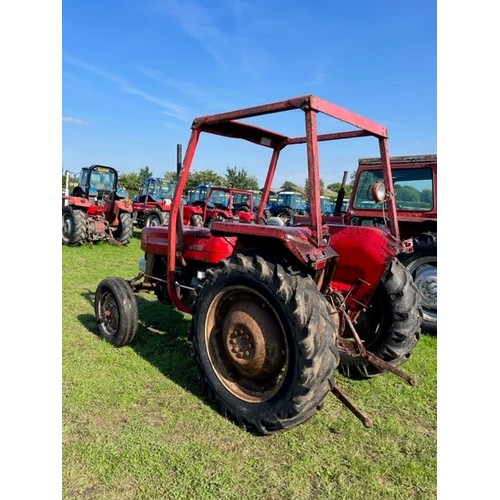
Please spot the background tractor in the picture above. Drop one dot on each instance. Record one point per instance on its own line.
(287, 205)
(415, 192)
(277, 311)
(151, 207)
(220, 203)
(96, 209)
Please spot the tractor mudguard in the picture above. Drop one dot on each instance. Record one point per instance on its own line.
(77, 201)
(365, 253)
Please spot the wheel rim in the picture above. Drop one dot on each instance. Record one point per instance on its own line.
(197, 220)
(154, 220)
(424, 273)
(67, 226)
(109, 316)
(246, 344)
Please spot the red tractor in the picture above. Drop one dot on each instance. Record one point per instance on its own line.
(96, 209)
(415, 191)
(152, 204)
(277, 310)
(220, 203)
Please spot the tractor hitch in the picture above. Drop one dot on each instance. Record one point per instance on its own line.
(375, 360)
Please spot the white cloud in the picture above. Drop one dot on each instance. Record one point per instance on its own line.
(75, 121)
(169, 108)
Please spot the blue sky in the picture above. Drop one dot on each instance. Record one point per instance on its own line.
(135, 74)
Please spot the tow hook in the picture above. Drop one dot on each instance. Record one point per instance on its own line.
(373, 359)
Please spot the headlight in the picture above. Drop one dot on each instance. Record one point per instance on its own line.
(379, 192)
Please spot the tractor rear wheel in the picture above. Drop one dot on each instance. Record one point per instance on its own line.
(265, 343)
(123, 234)
(116, 311)
(389, 328)
(73, 227)
(422, 265)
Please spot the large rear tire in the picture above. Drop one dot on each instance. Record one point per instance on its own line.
(422, 265)
(116, 312)
(265, 343)
(390, 327)
(73, 227)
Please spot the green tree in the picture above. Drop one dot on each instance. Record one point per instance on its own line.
(170, 176)
(426, 197)
(144, 173)
(321, 188)
(204, 177)
(407, 193)
(335, 187)
(240, 179)
(290, 186)
(131, 182)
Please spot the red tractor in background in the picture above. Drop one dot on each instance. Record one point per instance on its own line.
(96, 209)
(220, 203)
(278, 310)
(415, 192)
(151, 207)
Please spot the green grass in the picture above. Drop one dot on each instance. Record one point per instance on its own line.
(136, 424)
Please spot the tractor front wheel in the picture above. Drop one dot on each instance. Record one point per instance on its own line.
(73, 227)
(196, 220)
(265, 343)
(156, 218)
(116, 311)
(389, 328)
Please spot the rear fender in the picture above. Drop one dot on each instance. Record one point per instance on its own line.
(189, 211)
(114, 209)
(123, 206)
(76, 201)
(365, 254)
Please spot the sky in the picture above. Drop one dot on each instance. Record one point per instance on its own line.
(136, 74)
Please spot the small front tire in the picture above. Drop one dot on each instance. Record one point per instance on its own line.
(157, 218)
(116, 312)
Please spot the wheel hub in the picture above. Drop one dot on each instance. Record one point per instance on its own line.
(253, 340)
(109, 313)
(67, 226)
(426, 283)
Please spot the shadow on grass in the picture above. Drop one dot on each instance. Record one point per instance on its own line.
(162, 339)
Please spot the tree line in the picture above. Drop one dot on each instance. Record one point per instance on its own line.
(234, 177)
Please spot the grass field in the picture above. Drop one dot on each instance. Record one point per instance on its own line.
(136, 424)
